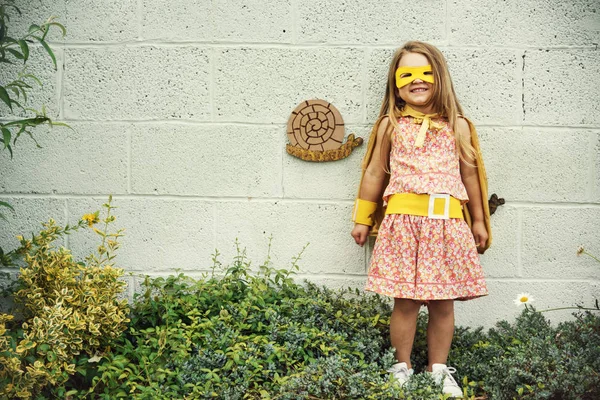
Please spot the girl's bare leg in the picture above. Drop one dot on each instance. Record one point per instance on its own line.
(403, 325)
(440, 330)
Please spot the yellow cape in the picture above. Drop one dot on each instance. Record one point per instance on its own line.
(483, 184)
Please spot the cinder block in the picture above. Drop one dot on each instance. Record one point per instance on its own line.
(84, 20)
(537, 164)
(219, 160)
(499, 305)
(487, 83)
(292, 225)
(264, 21)
(328, 180)
(181, 20)
(70, 161)
(137, 83)
(160, 234)
(40, 65)
(377, 22)
(277, 80)
(558, 89)
(551, 237)
(27, 218)
(524, 23)
(596, 169)
(93, 21)
(502, 258)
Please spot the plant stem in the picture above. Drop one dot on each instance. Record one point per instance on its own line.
(570, 308)
(591, 255)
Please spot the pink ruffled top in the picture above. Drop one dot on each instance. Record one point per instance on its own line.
(432, 168)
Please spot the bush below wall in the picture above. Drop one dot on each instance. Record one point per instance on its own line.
(254, 333)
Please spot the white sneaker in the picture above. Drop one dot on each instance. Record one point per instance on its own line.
(401, 372)
(443, 374)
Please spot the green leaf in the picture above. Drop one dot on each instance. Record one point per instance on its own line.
(48, 50)
(16, 54)
(29, 121)
(17, 103)
(7, 205)
(6, 137)
(30, 76)
(13, 6)
(34, 27)
(24, 49)
(60, 26)
(5, 97)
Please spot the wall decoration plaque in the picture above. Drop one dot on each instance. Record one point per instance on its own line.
(316, 133)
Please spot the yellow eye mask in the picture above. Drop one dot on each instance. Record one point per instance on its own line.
(406, 75)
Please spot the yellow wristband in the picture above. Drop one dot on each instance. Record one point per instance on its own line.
(363, 210)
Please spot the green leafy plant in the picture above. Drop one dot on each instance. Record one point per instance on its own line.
(531, 359)
(67, 311)
(245, 333)
(16, 50)
(241, 332)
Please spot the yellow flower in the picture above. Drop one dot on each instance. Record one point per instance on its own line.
(523, 298)
(91, 219)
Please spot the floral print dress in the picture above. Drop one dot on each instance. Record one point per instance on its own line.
(418, 257)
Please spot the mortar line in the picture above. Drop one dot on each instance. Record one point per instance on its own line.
(520, 242)
(249, 199)
(296, 45)
(283, 123)
(129, 135)
(523, 110)
(282, 167)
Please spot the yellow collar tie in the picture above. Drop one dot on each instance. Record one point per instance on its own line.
(424, 120)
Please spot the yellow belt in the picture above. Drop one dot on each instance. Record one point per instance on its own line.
(437, 206)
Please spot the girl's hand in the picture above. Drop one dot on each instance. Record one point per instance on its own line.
(360, 234)
(479, 233)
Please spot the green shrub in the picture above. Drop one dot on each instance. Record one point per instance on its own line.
(531, 359)
(66, 310)
(244, 333)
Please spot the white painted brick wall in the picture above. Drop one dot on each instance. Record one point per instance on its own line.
(179, 109)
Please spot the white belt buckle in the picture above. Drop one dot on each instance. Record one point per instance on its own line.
(446, 214)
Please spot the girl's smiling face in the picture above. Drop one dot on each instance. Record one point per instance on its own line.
(416, 94)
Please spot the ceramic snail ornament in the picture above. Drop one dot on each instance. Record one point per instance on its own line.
(316, 133)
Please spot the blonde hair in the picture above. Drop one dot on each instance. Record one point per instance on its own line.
(443, 99)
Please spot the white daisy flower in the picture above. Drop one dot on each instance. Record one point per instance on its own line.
(523, 298)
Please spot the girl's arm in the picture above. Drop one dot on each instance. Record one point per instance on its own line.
(470, 178)
(372, 182)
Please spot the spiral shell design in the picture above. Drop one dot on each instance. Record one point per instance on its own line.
(316, 125)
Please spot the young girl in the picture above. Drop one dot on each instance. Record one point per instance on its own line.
(424, 158)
